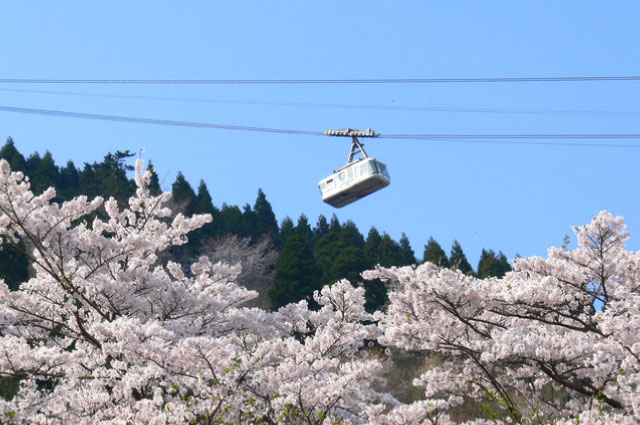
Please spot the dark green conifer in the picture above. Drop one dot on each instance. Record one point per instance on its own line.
(458, 260)
(10, 153)
(297, 274)
(406, 256)
(334, 225)
(265, 218)
(504, 263)
(492, 265)
(183, 194)
(249, 223)
(389, 251)
(203, 205)
(32, 165)
(434, 253)
(69, 185)
(231, 220)
(304, 229)
(286, 229)
(154, 184)
(112, 173)
(45, 174)
(349, 263)
(321, 229)
(351, 236)
(372, 247)
(108, 178)
(328, 247)
(88, 182)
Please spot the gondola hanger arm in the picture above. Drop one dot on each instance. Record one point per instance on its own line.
(356, 145)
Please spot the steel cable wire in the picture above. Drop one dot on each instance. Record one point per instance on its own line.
(334, 105)
(324, 81)
(474, 138)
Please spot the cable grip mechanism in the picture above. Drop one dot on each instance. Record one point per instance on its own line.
(356, 145)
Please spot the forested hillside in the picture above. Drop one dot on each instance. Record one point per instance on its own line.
(285, 262)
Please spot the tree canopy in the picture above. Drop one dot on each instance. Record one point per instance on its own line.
(105, 332)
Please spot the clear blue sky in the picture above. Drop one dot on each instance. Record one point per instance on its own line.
(519, 199)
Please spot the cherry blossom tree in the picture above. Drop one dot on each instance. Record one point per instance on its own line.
(104, 333)
(558, 339)
(258, 261)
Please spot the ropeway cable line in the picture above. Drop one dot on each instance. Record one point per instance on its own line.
(325, 81)
(361, 176)
(139, 120)
(473, 138)
(416, 108)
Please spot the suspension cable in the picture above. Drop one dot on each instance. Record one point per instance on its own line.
(325, 81)
(334, 105)
(473, 138)
(140, 120)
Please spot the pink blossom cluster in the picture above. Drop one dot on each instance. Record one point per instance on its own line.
(555, 341)
(105, 333)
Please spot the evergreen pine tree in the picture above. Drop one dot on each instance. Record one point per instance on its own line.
(492, 265)
(265, 218)
(389, 251)
(183, 194)
(249, 224)
(286, 229)
(372, 247)
(108, 178)
(504, 263)
(88, 182)
(297, 274)
(304, 229)
(351, 236)
(334, 225)
(203, 205)
(32, 166)
(231, 220)
(406, 256)
(154, 184)
(69, 185)
(328, 247)
(10, 153)
(458, 260)
(45, 174)
(112, 173)
(349, 263)
(321, 229)
(434, 253)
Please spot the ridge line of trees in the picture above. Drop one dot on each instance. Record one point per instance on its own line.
(292, 261)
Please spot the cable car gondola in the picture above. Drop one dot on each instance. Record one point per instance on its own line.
(357, 179)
